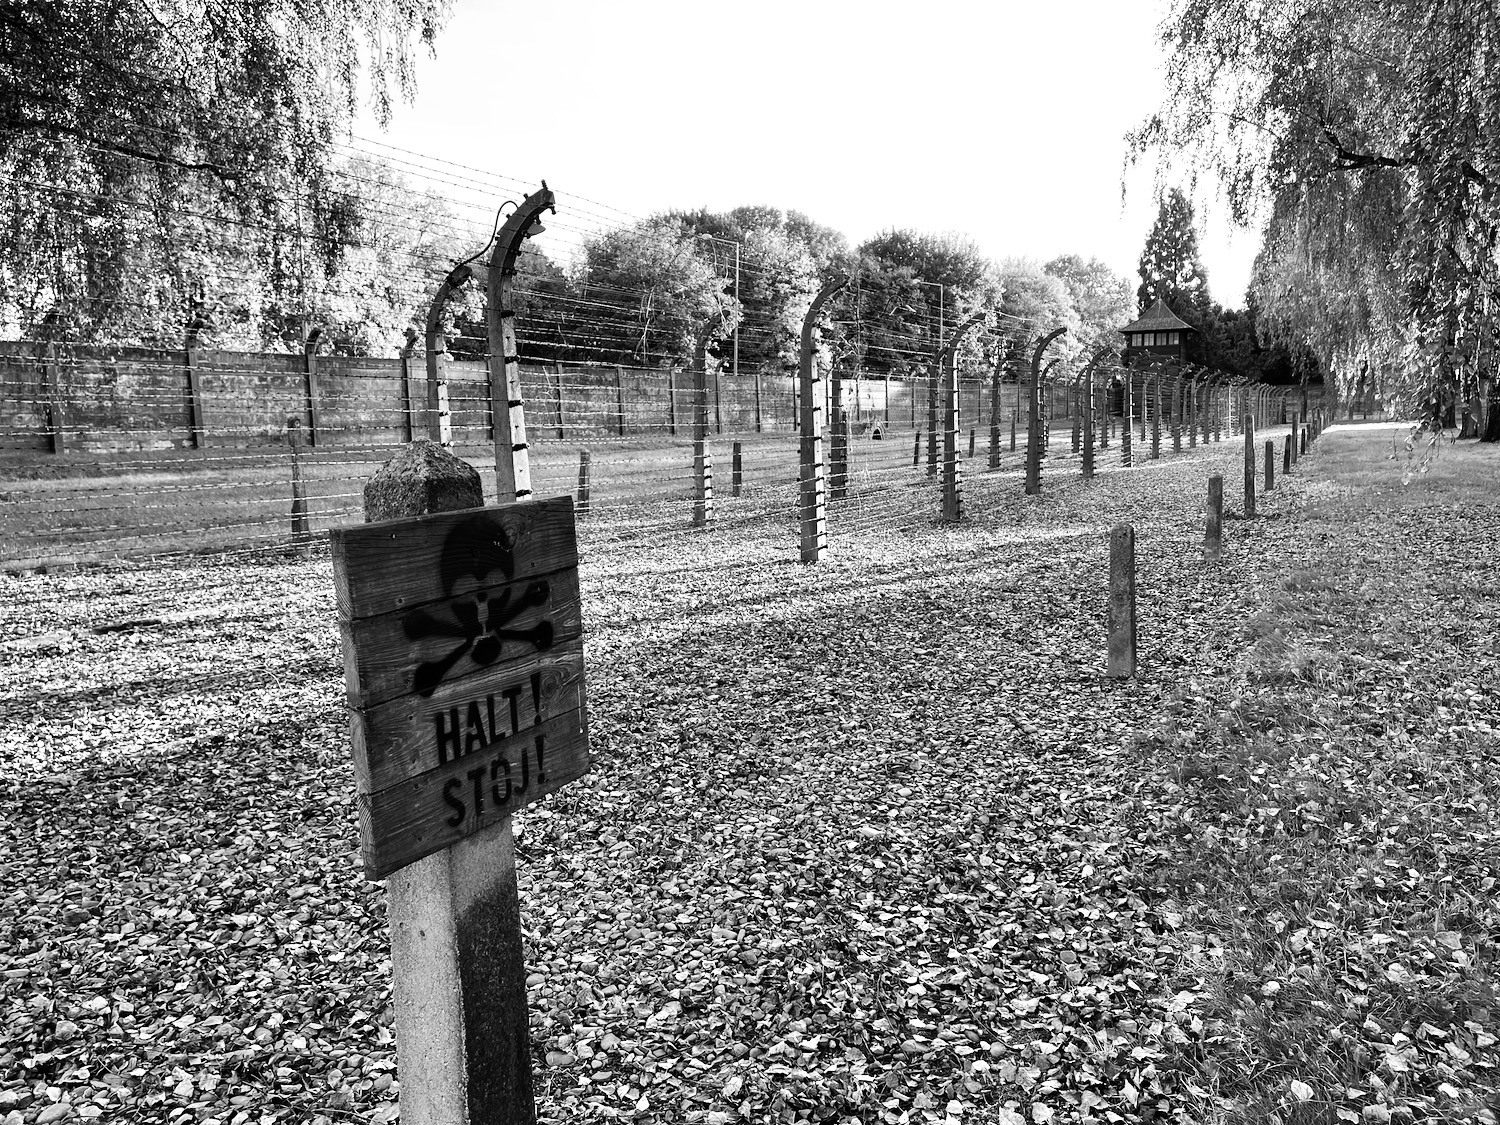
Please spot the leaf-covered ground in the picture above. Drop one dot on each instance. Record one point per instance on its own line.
(865, 842)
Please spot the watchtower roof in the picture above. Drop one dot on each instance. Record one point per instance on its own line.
(1159, 318)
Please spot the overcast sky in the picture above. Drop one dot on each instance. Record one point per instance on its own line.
(1004, 121)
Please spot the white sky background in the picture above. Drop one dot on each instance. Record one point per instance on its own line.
(1004, 121)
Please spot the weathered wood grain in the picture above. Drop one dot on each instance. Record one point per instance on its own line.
(400, 564)
(532, 616)
(404, 737)
(438, 808)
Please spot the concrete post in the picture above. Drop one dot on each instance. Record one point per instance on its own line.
(581, 498)
(1249, 431)
(1121, 624)
(1213, 534)
(463, 1046)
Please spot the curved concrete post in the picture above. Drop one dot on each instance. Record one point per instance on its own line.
(703, 470)
(507, 410)
(1033, 423)
(952, 483)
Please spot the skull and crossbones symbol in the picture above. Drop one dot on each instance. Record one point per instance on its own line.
(474, 549)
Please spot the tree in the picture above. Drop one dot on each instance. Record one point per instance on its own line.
(146, 138)
(921, 287)
(784, 260)
(1170, 268)
(1036, 302)
(648, 293)
(1100, 297)
(1362, 138)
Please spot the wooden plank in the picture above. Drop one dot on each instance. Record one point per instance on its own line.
(413, 734)
(402, 564)
(400, 653)
(440, 807)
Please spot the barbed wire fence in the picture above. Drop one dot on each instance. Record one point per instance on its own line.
(164, 446)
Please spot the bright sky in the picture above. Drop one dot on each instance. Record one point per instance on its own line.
(1001, 120)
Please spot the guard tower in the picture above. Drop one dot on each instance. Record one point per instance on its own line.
(1159, 334)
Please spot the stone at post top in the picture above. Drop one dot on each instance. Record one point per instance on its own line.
(420, 479)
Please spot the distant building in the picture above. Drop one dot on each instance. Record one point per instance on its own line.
(1159, 334)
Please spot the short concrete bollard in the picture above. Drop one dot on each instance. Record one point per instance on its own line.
(1121, 625)
(1213, 531)
(581, 499)
(1270, 464)
(1286, 456)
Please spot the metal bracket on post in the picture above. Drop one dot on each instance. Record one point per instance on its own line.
(812, 493)
(952, 480)
(1034, 422)
(507, 405)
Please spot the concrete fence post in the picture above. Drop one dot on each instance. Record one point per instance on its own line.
(314, 400)
(703, 465)
(1035, 434)
(995, 410)
(300, 524)
(1088, 424)
(1156, 418)
(952, 404)
(932, 423)
(838, 461)
(1177, 413)
(812, 489)
(1077, 419)
(1192, 413)
(736, 469)
(581, 498)
(195, 387)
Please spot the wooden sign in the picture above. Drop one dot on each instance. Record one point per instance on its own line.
(463, 665)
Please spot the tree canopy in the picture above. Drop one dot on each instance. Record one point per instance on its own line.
(1099, 296)
(1363, 137)
(144, 142)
